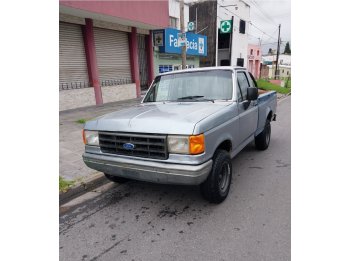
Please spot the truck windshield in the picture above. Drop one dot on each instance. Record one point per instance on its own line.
(192, 86)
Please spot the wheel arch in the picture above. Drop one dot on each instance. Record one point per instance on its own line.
(226, 145)
(269, 115)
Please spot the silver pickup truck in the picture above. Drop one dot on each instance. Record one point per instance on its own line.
(186, 130)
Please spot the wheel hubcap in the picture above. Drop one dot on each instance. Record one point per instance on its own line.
(268, 134)
(223, 177)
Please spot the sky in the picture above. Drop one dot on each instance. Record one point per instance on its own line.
(267, 15)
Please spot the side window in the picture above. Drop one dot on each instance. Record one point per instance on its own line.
(253, 82)
(239, 93)
(243, 83)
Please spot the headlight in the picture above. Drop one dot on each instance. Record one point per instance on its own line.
(90, 137)
(178, 144)
(186, 144)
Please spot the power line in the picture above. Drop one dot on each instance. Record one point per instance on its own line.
(261, 30)
(253, 36)
(246, 21)
(231, 12)
(272, 35)
(262, 11)
(283, 44)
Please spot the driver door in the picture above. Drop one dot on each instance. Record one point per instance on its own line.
(247, 110)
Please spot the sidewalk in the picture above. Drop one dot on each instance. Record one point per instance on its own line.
(71, 147)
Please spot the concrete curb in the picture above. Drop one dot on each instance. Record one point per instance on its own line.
(85, 186)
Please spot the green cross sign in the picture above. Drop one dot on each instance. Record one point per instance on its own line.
(191, 26)
(225, 26)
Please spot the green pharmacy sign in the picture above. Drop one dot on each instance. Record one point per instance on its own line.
(225, 26)
(191, 26)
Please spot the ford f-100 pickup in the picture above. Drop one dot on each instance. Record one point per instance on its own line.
(187, 129)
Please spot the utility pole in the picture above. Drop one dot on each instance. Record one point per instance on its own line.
(231, 38)
(196, 22)
(182, 27)
(216, 40)
(276, 71)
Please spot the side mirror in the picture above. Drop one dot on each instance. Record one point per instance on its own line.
(252, 93)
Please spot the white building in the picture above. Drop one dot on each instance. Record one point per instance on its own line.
(240, 11)
(284, 64)
(284, 59)
(174, 14)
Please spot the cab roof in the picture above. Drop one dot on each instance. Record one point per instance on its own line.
(202, 69)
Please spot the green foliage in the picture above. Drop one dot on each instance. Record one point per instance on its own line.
(265, 85)
(287, 49)
(64, 184)
(81, 121)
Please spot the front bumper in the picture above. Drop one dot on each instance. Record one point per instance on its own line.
(157, 172)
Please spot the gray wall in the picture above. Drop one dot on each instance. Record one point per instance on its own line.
(206, 16)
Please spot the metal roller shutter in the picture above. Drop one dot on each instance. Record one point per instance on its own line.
(112, 56)
(73, 73)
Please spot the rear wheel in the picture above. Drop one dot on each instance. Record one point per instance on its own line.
(263, 139)
(215, 189)
(115, 178)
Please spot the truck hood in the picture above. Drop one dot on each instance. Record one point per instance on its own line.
(168, 118)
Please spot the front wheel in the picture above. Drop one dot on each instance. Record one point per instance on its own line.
(263, 139)
(215, 189)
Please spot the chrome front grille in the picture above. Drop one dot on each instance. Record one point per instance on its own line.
(145, 145)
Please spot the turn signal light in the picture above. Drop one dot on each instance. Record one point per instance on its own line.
(84, 137)
(197, 144)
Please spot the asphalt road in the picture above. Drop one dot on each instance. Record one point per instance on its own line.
(143, 221)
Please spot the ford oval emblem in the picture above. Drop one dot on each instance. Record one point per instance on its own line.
(128, 146)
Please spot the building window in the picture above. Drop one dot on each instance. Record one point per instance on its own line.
(241, 26)
(165, 68)
(283, 71)
(287, 73)
(251, 51)
(173, 22)
(258, 52)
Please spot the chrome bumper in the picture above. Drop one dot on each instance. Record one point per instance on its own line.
(157, 172)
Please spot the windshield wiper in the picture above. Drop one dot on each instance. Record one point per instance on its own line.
(195, 97)
(190, 97)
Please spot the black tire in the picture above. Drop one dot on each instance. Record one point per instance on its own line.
(216, 187)
(115, 179)
(263, 139)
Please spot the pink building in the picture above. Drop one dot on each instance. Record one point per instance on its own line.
(105, 49)
(254, 60)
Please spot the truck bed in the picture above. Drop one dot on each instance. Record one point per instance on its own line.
(267, 102)
(262, 91)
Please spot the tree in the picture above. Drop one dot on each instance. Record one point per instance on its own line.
(287, 49)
